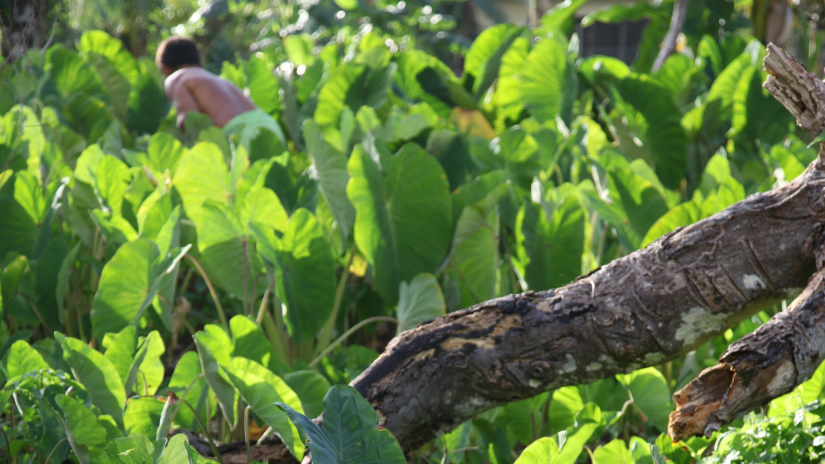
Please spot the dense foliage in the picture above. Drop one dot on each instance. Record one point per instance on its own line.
(156, 279)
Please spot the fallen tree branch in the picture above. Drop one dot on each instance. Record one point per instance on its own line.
(784, 352)
(641, 310)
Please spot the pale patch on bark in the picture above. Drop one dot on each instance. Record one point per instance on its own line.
(752, 282)
(569, 366)
(697, 322)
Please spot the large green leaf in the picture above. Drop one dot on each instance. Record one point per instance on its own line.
(551, 247)
(117, 86)
(545, 82)
(134, 367)
(724, 87)
(419, 301)
(24, 359)
(134, 449)
(112, 49)
(543, 450)
(331, 171)
(649, 391)
(403, 221)
(310, 387)
(97, 374)
(187, 383)
(142, 415)
(249, 341)
(350, 432)
(263, 87)
(615, 452)
(619, 12)
(483, 59)
(261, 389)
(128, 284)
(23, 206)
(147, 105)
(151, 370)
(202, 174)
(175, 451)
(564, 406)
(305, 272)
(352, 85)
(85, 428)
(71, 74)
(214, 347)
(655, 126)
(164, 153)
(226, 252)
(508, 88)
(561, 18)
(121, 351)
(47, 279)
(111, 179)
(588, 420)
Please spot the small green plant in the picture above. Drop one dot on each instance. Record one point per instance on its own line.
(350, 431)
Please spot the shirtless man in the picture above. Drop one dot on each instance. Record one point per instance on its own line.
(192, 88)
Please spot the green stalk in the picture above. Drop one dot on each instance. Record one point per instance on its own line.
(246, 433)
(273, 334)
(214, 294)
(326, 332)
(48, 459)
(349, 332)
(37, 313)
(205, 432)
(264, 301)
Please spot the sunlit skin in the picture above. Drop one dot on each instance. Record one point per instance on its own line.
(192, 88)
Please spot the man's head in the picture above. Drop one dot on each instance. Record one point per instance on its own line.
(176, 53)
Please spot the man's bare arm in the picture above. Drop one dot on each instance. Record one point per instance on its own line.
(182, 99)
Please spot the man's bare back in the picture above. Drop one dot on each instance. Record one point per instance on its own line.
(192, 88)
(196, 89)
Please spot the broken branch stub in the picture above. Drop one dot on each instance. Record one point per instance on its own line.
(763, 365)
(799, 91)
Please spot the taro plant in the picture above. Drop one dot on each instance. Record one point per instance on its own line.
(157, 280)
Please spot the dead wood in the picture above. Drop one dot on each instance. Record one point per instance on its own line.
(641, 310)
(784, 352)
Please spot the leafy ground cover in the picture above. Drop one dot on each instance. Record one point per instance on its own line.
(156, 279)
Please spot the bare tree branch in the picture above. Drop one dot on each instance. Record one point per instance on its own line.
(641, 310)
(677, 21)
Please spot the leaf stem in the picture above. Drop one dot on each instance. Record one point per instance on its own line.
(186, 392)
(6, 437)
(326, 332)
(37, 313)
(350, 332)
(246, 433)
(264, 301)
(205, 432)
(211, 291)
(48, 459)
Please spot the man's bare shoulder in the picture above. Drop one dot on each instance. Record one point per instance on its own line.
(189, 75)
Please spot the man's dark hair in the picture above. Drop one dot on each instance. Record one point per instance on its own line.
(177, 52)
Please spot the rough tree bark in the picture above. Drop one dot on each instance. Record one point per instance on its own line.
(786, 351)
(653, 305)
